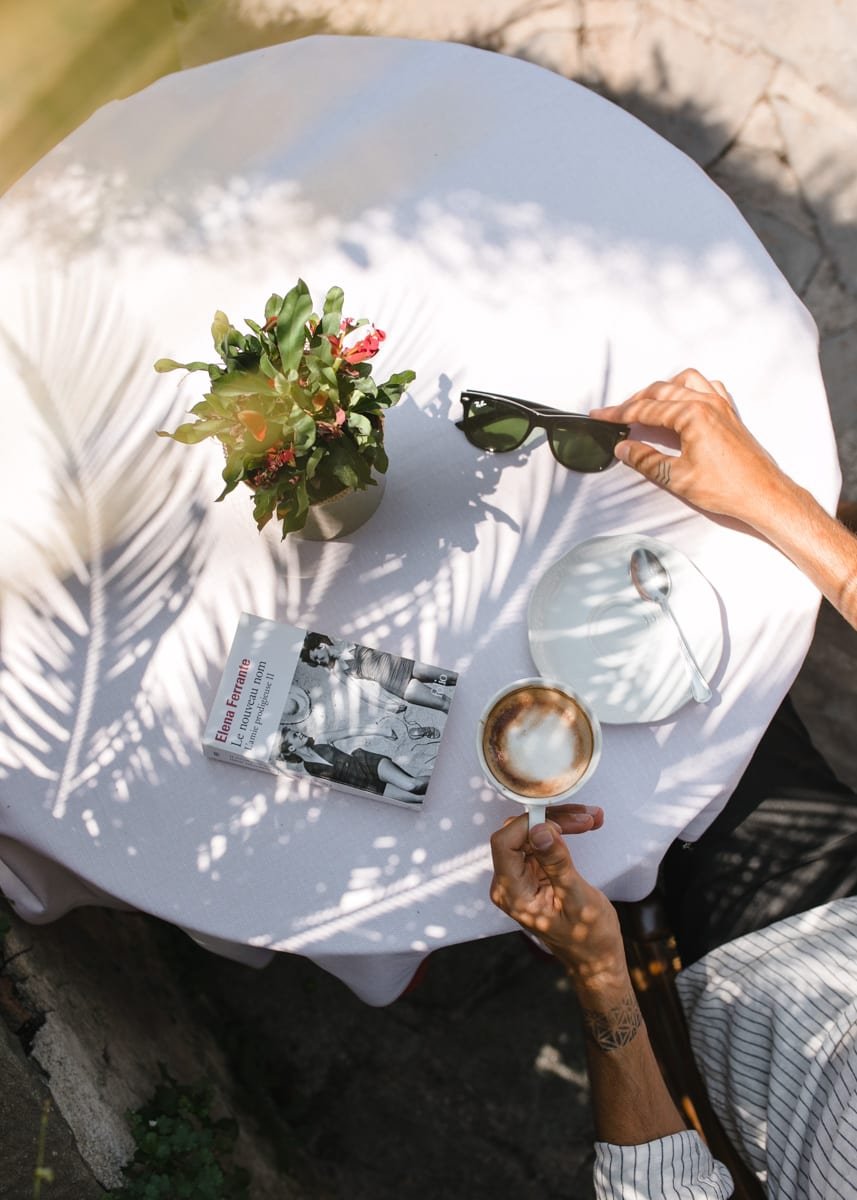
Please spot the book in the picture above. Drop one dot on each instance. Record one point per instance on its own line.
(313, 706)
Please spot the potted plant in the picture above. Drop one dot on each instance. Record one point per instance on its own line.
(294, 405)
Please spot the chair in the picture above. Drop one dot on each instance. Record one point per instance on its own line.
(654, 962)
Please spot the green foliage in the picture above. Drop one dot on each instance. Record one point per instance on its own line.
(182, 1154)
(294, 405)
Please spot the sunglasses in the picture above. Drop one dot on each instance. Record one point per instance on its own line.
(497, 424)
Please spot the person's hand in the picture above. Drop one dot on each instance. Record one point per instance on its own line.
(721, 467)
(537, 884)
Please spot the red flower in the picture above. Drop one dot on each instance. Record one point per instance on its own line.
(276, 459)
(280, 458)
(367, 347)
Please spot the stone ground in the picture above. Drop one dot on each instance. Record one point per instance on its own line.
(473, 1085)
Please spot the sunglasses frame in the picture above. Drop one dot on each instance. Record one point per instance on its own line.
(541, 416)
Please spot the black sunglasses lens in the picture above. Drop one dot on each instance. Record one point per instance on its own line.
(584, 446)
(495, 428)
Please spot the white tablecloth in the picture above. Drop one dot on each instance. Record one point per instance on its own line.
(510, 230)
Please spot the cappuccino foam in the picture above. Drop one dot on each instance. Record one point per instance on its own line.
(537, 742)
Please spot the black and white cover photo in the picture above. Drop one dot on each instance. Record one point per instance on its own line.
(364, 718)
(312, 705)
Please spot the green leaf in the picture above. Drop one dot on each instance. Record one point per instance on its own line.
(191, 433)
(234, 341)
(242, 383)
(273, 306)
(230, 487)
(332, 318)
(213, 405)
(346, 465)
(303, 432)
(390, 393)
(233, 472)
(333, 300)
(169, 364)
(292, 508)
(264, 504)
(360, 424)
(322, 354)
(346, 474)
(248, 358)
(313, 461)
(380, 462)
(291, 325)
(329, 376)
(220, 327)
(283, 383)
(399, 381)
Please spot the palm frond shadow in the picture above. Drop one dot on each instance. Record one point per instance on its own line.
(109, 560)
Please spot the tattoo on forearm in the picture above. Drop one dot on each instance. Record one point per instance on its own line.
(615, 1028)
(662, 474)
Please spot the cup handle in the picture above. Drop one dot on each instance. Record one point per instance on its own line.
(536, 814)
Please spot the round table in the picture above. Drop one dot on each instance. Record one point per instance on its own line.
(510, 231)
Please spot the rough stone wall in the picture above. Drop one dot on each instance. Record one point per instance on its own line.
(89, 1007)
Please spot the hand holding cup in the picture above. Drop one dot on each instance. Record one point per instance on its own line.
(538, 742)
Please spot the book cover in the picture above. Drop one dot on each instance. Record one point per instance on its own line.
(308, 704)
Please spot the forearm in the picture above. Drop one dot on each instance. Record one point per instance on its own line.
(643, 1146)
(793, 521)
(630, 1101)
(638, 1126)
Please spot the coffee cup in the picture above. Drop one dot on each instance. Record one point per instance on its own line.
(538, 742)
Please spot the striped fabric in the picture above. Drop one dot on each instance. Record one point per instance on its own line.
(678, 1167)
(773, 1024)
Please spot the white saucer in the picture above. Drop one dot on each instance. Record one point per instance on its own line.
(589, 627)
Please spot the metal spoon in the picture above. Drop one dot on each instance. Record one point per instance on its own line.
(652, 581)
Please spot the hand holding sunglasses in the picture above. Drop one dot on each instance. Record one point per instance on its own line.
(498, 424)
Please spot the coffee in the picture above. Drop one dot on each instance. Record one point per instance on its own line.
(537, 741)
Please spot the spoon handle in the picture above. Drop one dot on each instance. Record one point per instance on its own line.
(699, 688)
